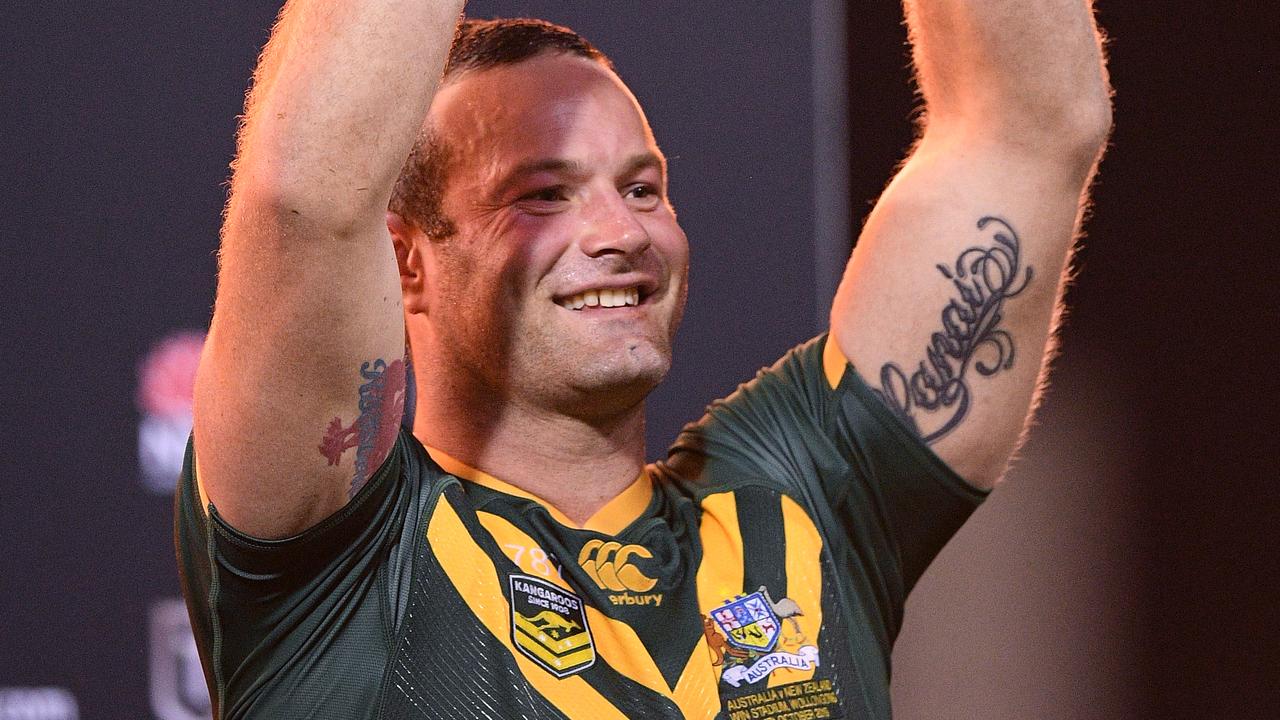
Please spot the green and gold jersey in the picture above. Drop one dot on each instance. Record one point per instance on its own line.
(759, 572)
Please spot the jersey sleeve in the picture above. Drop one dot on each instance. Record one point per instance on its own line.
(267, 612)
(811, 424)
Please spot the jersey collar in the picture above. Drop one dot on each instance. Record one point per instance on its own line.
(611, 519)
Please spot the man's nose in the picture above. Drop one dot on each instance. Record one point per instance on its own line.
(611, 227)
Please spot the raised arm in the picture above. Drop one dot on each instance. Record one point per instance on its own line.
(948, 302)
(301, 386)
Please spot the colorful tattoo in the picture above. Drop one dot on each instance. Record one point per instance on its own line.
(984, 277)
(373, 433)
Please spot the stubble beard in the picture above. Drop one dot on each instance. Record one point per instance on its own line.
(596, 382)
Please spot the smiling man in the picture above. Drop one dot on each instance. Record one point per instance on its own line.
(543, 305)
(514, 556)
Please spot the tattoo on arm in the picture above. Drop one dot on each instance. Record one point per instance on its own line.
(373, 432)
(984, 277)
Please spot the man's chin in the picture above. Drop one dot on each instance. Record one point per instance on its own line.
(618, 380)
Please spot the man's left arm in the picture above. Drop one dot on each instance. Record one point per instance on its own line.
(948, 302)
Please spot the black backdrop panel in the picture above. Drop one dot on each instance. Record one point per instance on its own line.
(119, 127)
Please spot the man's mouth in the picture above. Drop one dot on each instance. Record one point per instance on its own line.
(602, 297)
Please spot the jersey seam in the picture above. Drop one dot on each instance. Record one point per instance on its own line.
(848, 389)
(384, 603)
(388, 634)
(435, 496)
(842, 583)
(215, 624)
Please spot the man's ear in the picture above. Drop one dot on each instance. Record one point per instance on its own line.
(408, 239)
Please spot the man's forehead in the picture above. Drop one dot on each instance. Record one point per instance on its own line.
(552, 108)
(543, 93)
(547, 69)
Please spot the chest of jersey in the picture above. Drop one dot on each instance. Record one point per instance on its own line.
(719, 607)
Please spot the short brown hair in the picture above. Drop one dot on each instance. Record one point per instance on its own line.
(477, 45)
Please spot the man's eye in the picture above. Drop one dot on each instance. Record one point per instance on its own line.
(549, 194)
(642, 192)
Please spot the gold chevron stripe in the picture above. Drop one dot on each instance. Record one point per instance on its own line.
(719, 576)
(618, 644)
(720, 573)
(550, 657)
(475, 577)
(615, 641)
(697, 693)
(834, 363)
(804, 583)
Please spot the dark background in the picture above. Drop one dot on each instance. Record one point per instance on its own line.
(1173, 333)
(1127, 569)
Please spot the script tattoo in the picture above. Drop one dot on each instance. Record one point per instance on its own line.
(373, 432)
(984, 277)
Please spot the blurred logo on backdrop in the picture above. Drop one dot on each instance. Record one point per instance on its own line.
(38, 703)
(178, 690)
(166, 377)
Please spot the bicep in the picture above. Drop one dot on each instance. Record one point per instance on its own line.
(947, 303)
(302, 383)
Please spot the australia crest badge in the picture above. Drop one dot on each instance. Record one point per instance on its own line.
(753, 644)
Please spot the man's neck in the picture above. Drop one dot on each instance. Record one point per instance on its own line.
(575, 465)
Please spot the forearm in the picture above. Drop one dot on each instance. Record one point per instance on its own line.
(1030, 70)
(338, 97)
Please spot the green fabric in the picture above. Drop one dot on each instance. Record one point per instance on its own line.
(356, 618)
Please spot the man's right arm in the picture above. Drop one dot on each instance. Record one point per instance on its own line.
(301, 386)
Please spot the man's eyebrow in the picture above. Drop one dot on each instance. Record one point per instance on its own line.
(644, 161)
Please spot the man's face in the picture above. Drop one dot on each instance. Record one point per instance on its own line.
(566, 278)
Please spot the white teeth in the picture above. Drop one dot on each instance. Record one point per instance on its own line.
(604, 297)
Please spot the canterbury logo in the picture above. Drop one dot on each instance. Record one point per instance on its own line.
(609, 564)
